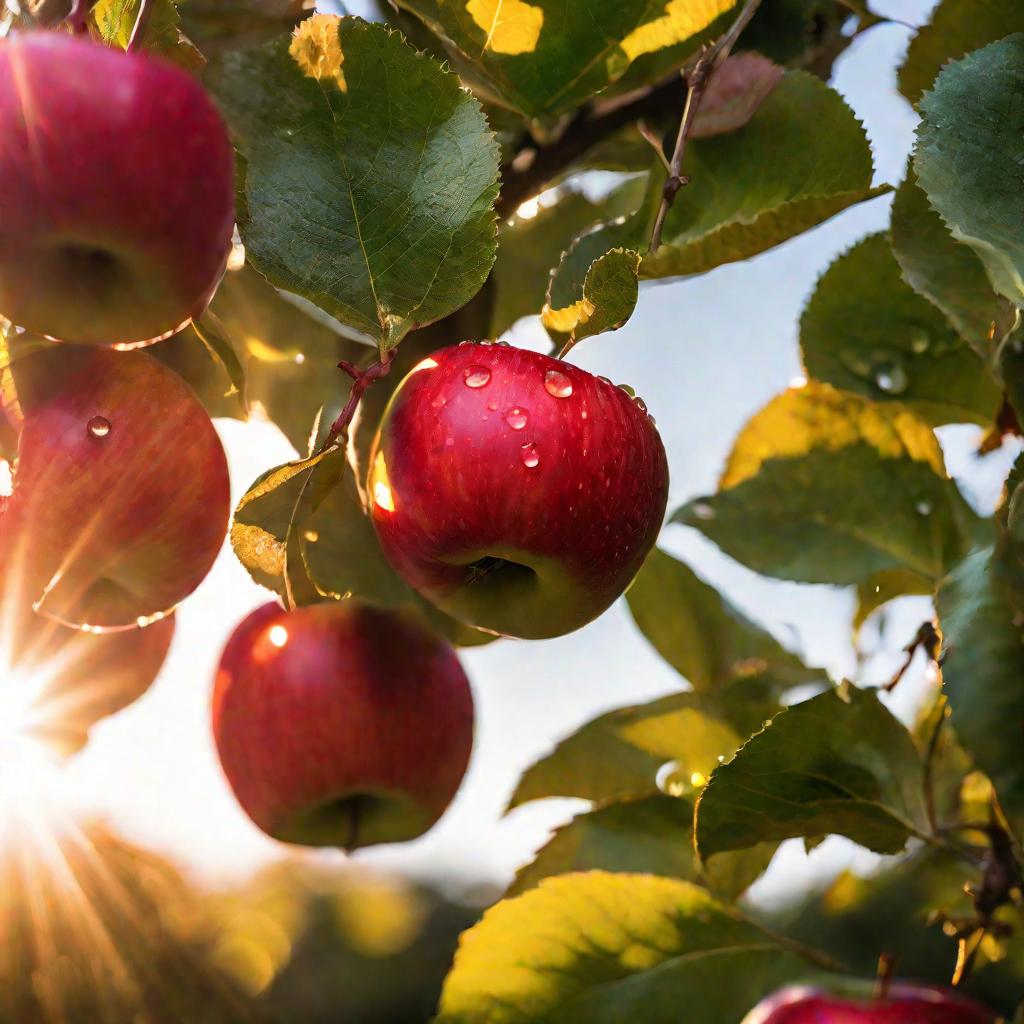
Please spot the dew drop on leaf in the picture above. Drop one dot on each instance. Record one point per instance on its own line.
(891, 378)
(924, 507)
(702, 510)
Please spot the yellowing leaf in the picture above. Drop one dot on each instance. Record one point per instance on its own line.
(681, 20)
(512, 26)
(316, 48)
(817, 417)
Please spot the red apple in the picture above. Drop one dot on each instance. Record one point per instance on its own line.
(116, 191)
(59, 682)
(341, 724)
(121, 495)
(904, 1004)
(517, 492)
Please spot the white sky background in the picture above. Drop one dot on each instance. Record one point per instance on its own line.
(704, 354)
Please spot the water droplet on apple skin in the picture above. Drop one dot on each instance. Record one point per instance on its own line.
(476, 376)
(530, 455)
(99, 427)
(516, 418)
(557, 384)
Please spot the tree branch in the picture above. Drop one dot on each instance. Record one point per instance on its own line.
(696, 82)
(361, 380)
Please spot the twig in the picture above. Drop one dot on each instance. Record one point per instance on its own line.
(927, 638)
(696, 82)
(139, 29)
(361, 380)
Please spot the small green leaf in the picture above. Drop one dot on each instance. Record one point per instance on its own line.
(528, 249)
(970, 158)
(617, 756)
(823, 486)
(370, 174)
(700, 634)
(983, 674)
(544, 57)
(114, 20)
(943, 270)
(607, 948)
(215, 24)
(610, 292)
(957, 27)
(838, 763)
(865, 330)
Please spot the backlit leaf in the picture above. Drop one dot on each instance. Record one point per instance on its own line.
(970, 157)
(617, 756)
(867, 331)
(607, 948)
(370, 174)
(837, 763)
(114, 20)
(543, 57)
(824, 486)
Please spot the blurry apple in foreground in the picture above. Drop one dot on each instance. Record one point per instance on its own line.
(120, 497)
(341, 724)
(116, 191)
(902, 1004)
(517, 492)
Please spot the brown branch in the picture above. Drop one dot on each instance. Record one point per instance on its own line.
(361, 380)
(78, 19)
(696, 82)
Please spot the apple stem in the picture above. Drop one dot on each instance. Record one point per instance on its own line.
(361, 380)
(884, 975)
(139, 29)
(78, 18)
(711, 58)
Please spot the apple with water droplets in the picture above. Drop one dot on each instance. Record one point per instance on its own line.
(121, 495)
(342, 724)
(517, 492)
(116, 191)
(856, 1003)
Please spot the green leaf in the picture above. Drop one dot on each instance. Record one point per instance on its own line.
(983, 674)
(838, 763)
(272, 516)
(652, 835)
(545, 57)
(969, 155)
(607, 948)
(700, 634)
(865, 330)
(610, 292)
(823, 486)
(113, 21)
(215, 24)
(943, 270)
(957, 27)
(886, 586)
(802, 159)
(371, 174)
(618, 755)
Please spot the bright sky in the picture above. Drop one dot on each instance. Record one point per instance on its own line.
(704, 354)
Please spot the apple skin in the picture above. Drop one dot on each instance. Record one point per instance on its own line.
(111, 529)
(904, 1004)
(342, 724)
(511, 508)
(116, 191)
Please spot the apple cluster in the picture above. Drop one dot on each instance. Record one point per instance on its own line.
(119, 499)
